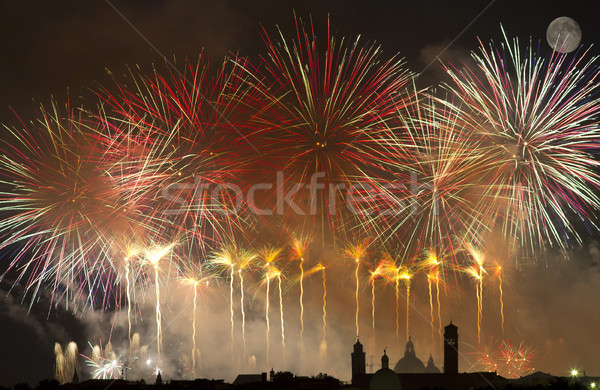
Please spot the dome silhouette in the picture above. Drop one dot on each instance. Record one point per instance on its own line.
(384, 378)
(431, 368)
(409, 364)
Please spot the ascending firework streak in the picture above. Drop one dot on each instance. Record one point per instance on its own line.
(243, 315)
(397, 290)
(224, 260)
(192, 275)
(374, 275)
(299, 246)
(357, 304)
(194, 329)
(431, 321)
(132, 251)
(154, 255)
(281, 317)
(476, 273)
(499, 274)
(66, 363)
(244, 259)
(323, 348)
(356, 252)
(128, 288)
(406, 275)
(231, 310)
(269, 255)
(432, 265)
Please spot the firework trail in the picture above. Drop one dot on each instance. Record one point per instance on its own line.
(244, 259)
(158, 319)
(192, 274)
(59, 372)
(397, 293)
(357, 304)
(243, 316)
(476, 272)
(406, 275)
(356, 252)
(299, 247)
(96, 353)
(499, 275)
(135, 343)
(71, 360)
(432, 264)
(281, 317)
(439, 307)
(130, 252)
(268, 338)
(128, 288)
(323, 346)
(225, 261)
(153, 256)
(541, 133)
(431, 321)
(194, 329)
(269, 255)
(374, 274)
(231, 310)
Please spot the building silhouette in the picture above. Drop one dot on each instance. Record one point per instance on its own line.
(358, 362)
(410, 363)
(451, 349)
(384, 378)
(412, 374)
(430, 368)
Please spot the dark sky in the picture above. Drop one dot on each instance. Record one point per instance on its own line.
(48, 47)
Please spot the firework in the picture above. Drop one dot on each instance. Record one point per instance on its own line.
(537, 120)
(198, 122)
(325, 107)
(63, 205)
(509, 360)
(432, 196)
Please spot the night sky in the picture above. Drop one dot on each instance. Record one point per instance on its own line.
(49, 48)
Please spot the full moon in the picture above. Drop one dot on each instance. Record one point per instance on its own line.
(563, 34)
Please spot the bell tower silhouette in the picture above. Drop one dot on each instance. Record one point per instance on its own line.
(358, 362)
(451, 349)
